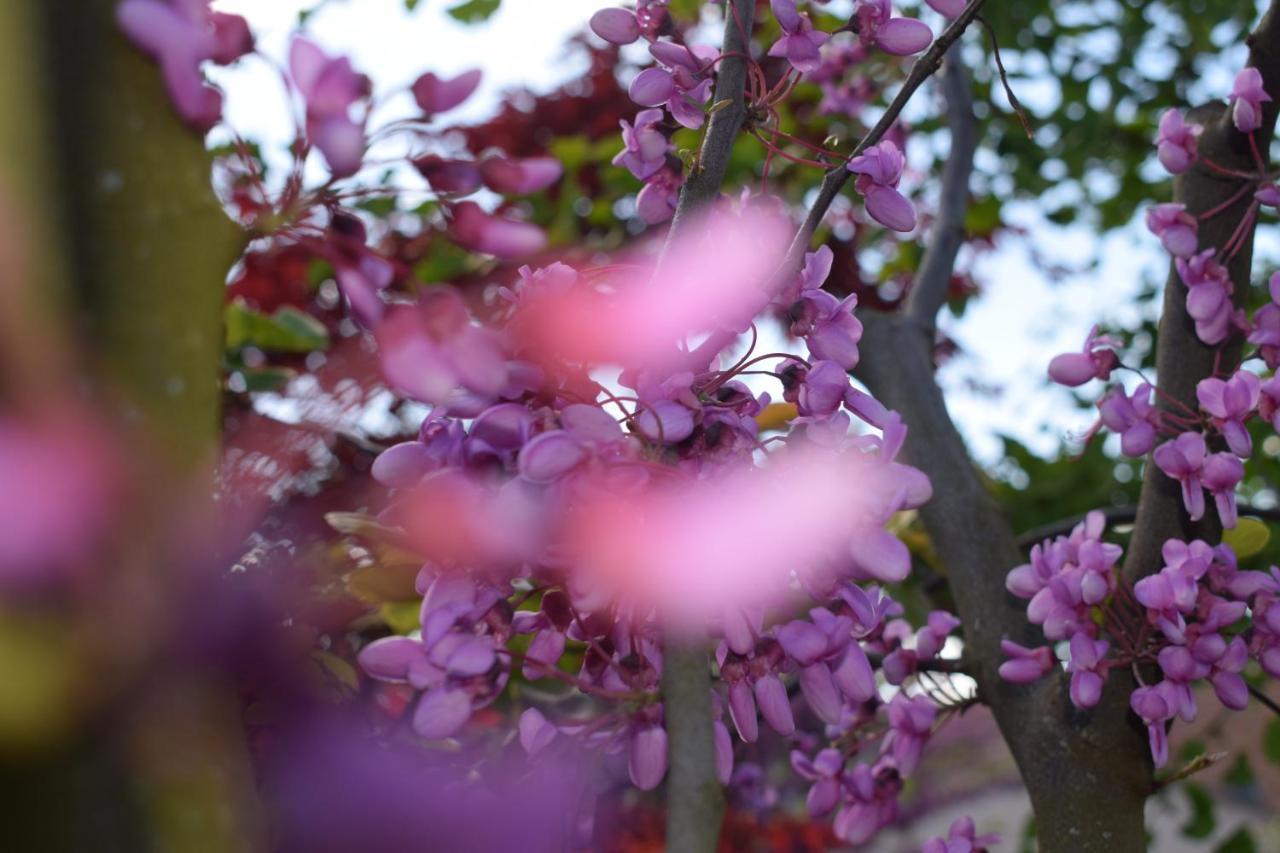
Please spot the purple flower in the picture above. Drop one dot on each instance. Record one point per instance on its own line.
(1024, 665)
(1221, 474)
(828, 326)
(656, 202)
(536, 732)
(1208, 295)
(950, 8)
(549, 456)
(879, 169)
(435, 95)
(825, 771)
(1176, 142)
(1095, 361)
(1088, 669)
(775, 706)
(1132, 417)
(822, 390)
(181, 35)
(646, 147)
(1183, 459)
(1247, 98)
(652, 87)
(647, 756)
(472, 228)
(1156, 706)
(910, 723)
(519, 176)
(329, 88)
(800, 41)
(962, 837)
(452, 177)
(897, 36)
(616, 26)
(1175, 227)
(1230, 403)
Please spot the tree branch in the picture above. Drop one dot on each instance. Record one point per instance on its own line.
(836, 176)
(1182, 360)
(703, 184)
(695, 802)
(929, 290)
(1088, 774)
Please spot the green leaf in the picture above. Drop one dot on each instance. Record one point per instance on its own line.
(411, 4)
(474, 11)
(1241, 841)
(287, 330)
(1241, 774)
(1271, 741)
(1202, 820)
(401, 616)
(1248, 537)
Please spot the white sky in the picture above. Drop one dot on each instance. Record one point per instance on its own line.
(1007, 335)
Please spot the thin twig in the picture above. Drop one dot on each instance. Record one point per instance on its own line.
(836, 176)
(1264, 699)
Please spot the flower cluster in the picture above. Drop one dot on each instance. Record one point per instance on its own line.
(563, 514)
(1187, 621)
(1199, 618)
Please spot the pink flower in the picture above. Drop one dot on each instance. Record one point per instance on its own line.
(1096, 361)
(452, 177)
(647, 756)
(950, 8)
(646, 147)
(1208, 295)
(1176, 142)
(616, 26)
(879, 169)
(1183, 459)
(1088, 669)
(512, 176)
(507, 239)
(435, 95)
(962, 837)
(1230, 403)
(897, 36)
(1175, 227)
(1247, 98)
(181, 35)
(1132, 417)
(329, 88)
(1025, 665)
(800, 41)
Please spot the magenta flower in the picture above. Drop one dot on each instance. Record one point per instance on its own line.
(825, 771)
(428, 353)
(330, 88)
(950, 8)
(822, 390)
(828, 326)
(1095, 361)
(1183, 459)
(435, 95)
(645, 147)
(1175, 227)
(910, 722)
(1176, 142)
(656, 202)
(1132, 417)
(647, 756)
(1208, 295)
(1230, 403)
(449, 177)
(1024, 665)
(472, 228)
(1247, 98)
(1156, 706)
(962, 836)
(1265, 331)
(181, 35)
(800, 41)
(1221, 474)
(616, 26)
(897, 36)
(1088, 669)
(512, 176)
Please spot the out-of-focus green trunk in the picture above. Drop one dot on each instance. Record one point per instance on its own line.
(126, 255)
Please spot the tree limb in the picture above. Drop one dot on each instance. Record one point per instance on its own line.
(695, 801)
(1182, 360)
(929, 290)
(834, 180)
